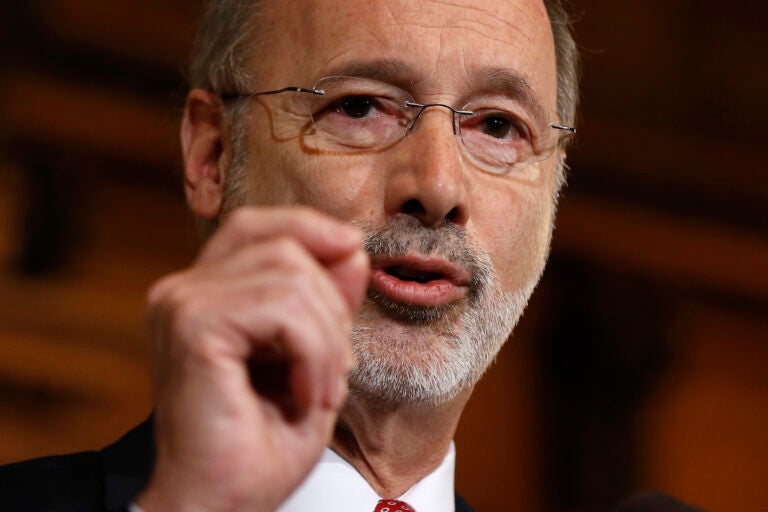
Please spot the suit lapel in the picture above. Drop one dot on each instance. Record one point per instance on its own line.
(127, 465)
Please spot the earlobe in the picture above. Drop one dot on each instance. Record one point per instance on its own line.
(203, 146)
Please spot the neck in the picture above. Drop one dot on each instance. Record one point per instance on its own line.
(395, 446)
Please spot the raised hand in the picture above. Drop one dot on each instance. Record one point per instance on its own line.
(251, 358)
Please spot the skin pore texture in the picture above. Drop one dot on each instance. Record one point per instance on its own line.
(414, 364)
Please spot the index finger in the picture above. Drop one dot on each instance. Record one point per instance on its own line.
(325, 237)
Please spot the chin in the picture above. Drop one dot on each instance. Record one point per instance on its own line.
(428, 361)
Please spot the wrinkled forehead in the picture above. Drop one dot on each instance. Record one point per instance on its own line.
(444, 46)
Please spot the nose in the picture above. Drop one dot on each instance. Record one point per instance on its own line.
(426, 177)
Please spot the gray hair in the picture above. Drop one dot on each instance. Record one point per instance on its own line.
(225, 44)
(567, 56)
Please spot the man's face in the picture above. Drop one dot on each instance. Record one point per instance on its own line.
(456, 250)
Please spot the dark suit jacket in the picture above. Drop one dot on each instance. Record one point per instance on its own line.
(103, 481)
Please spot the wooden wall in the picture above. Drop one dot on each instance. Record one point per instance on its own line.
(641, 360)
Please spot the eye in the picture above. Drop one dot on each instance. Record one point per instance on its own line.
(356, 107)
(500, 127)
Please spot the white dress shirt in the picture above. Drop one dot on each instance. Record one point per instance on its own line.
(334, 485)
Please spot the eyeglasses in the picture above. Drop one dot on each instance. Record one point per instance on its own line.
(355, 115)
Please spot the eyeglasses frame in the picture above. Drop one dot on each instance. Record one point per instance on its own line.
(569, 130)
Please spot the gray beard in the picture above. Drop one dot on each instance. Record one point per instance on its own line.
(429, 375)
(397, 364)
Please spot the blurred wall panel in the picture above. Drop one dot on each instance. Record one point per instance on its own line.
(704, 430)
(91, 213)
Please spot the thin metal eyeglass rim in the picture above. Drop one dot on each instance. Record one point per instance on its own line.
(320, 92)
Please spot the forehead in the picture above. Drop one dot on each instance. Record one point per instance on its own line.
(443, 45)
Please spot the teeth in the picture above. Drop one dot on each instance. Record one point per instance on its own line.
(409, 274)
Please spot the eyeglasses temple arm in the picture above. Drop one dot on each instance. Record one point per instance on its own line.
(569, 129)
(234, 95)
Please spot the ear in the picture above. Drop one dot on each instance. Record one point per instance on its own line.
(204, 147)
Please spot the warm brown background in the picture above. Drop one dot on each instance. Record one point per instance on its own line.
(641, 362)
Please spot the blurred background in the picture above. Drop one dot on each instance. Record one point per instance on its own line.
(641, 362)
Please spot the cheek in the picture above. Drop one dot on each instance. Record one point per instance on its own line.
(347, 187)
(514, 225)
(343, 186)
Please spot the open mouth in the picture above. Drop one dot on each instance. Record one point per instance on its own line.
(411, 274)
(418, 280)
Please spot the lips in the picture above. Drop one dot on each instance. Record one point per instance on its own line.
(418, 280)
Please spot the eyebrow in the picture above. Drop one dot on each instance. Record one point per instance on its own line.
(488, 80)
(392, 71)
(511, 84)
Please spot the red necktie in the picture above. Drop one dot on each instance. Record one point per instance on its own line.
(393, 506)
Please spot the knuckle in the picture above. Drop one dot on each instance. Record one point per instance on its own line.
(289, 252)
(239, 223)
(203, 352)
(241, 217)
(175, 306)
(159, 291)
(307, 215)
(185, 311)
(190, 334)
(164, 297)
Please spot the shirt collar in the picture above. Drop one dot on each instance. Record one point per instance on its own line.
(334, 484)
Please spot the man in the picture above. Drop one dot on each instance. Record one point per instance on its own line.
(377, 184)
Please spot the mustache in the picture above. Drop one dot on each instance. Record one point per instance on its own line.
(405, 234)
